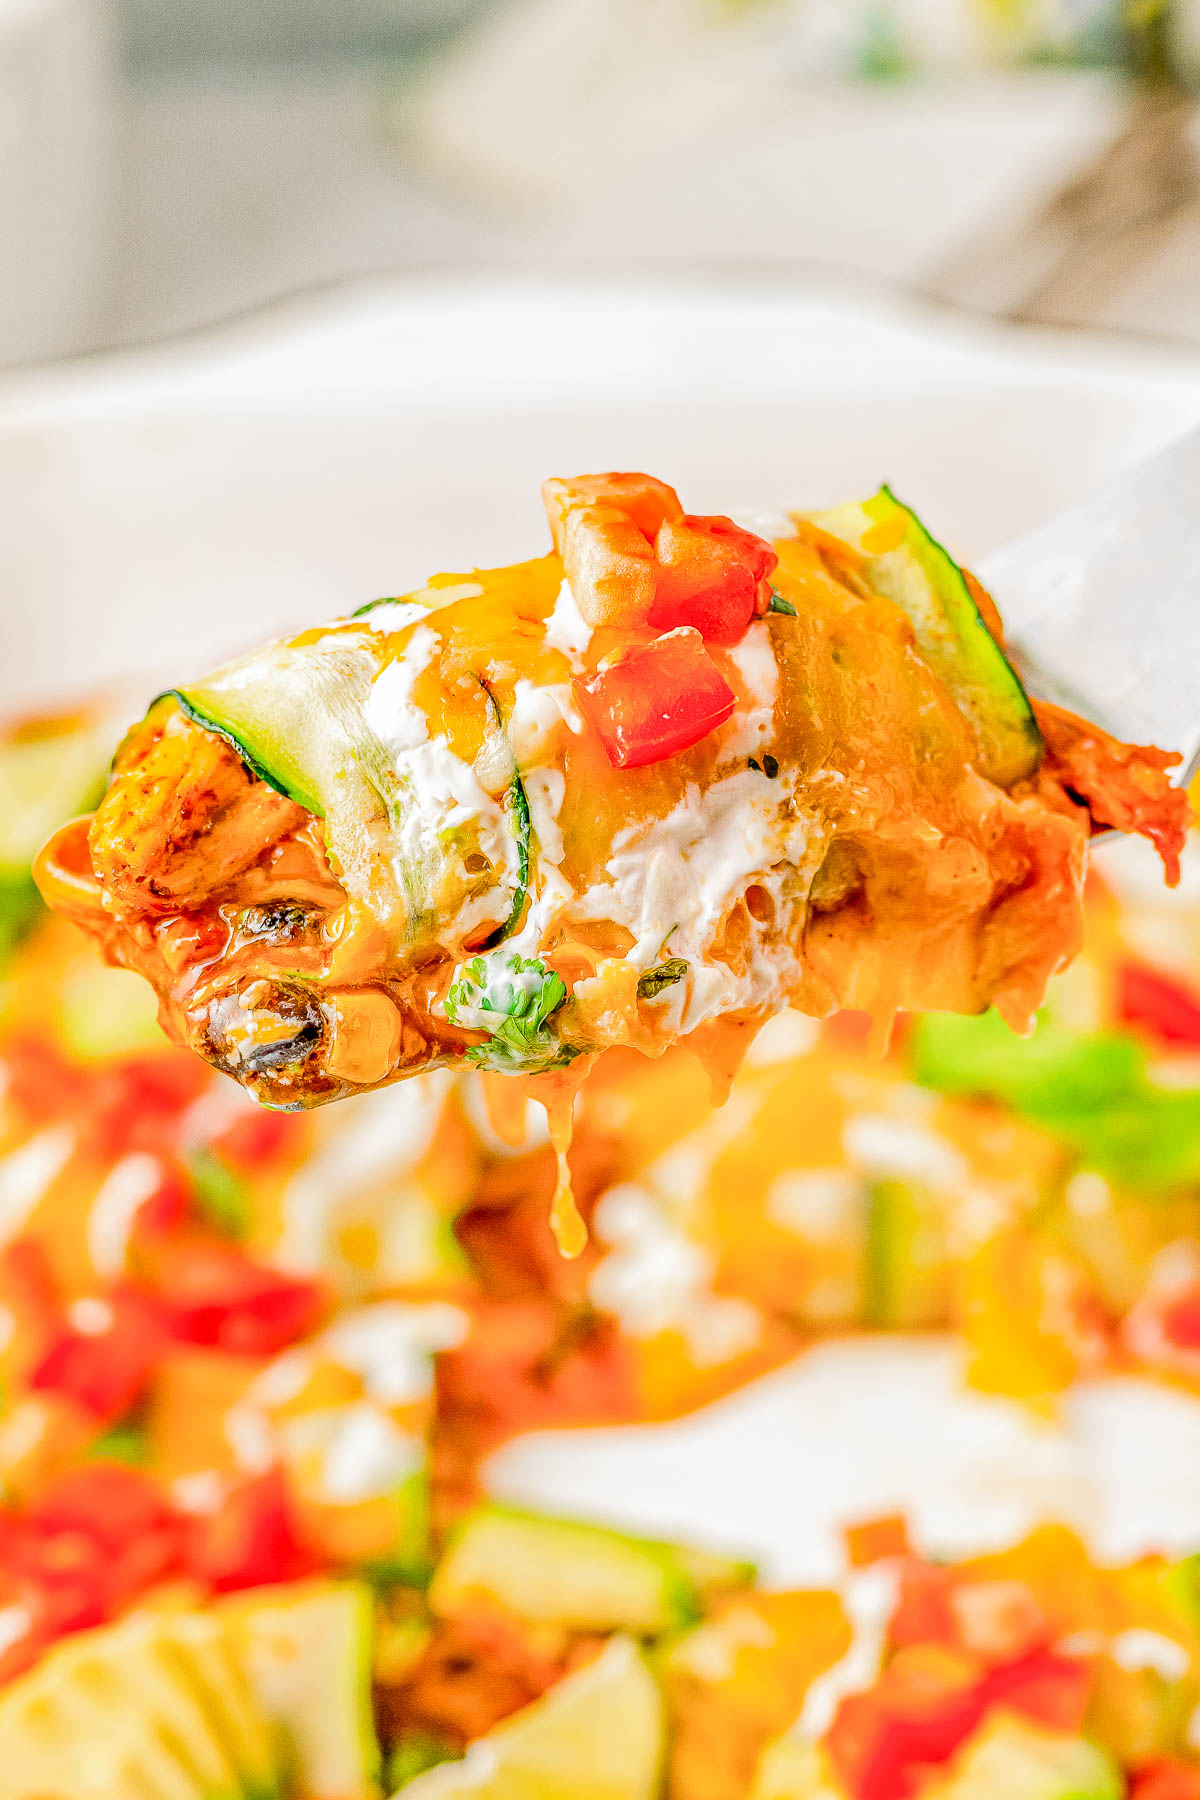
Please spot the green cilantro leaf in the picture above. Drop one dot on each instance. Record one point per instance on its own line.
(663, 975)
(512, 998)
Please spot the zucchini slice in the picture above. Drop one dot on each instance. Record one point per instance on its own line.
(295, 714)
(905, 564)
(306, 1650)
(560, 1572)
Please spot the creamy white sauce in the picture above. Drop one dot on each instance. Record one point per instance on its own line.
(219, 1107)
(752, 728)
(901, 1149)
(869, 1596)
(200, 1492)
(359, 1452)
(567, 630)
(1144, 1649)
(27, 1173)
(682, 876)
(536, 720)
(389, 616)
(446, 799)
(768, 522)
(15, 1621)
(249, 1435)
(656, 1279)
(126, 1187)
(391, 1344)
(784, 1038)
(91, 1316)
(378, 1137)
(822, 1206)
(391, 712)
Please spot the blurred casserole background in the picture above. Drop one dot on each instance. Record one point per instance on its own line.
(164, 164)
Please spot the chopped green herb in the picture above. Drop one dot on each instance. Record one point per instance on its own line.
(416, 1752)
(780, 605)
(222, 1195)
(124, 1442)
(1092, 1089)
(511, 998)
(770, 767)
(755, 764)
(663, 975)
(20, 909)
(370, 605)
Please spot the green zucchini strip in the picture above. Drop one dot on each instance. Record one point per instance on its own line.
(516, 804)
(952, 636)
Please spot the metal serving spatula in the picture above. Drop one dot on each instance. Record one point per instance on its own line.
(1101, 605)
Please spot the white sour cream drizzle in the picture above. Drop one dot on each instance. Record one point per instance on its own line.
(656, 1276)
(27, 1173)
(448, 797)
(681, 876)
(126, 1187)
(567, 630)
(384, 1138)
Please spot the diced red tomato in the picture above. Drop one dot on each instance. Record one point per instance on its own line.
(876, 1540)
(29, 1296)
(712, 575)
(40, 1081)
(1168, 1779)
(527, 1365)
(167, 1209)
(1162, 1004)
(251, 1539)
(1052, 1690)
(101, 1535)
(1179, 1318)
(928, 1701)
(213, 1293)
(138, 1101)
(258, 1137)
(656, 700)
(105, 1369)
(923, 1612)
(923, 1706)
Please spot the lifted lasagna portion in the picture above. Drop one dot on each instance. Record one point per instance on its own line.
(655, 785)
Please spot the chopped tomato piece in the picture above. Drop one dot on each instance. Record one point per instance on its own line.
(29, 1296)
(1164, 1006)
(138, 1101)
(930, 1698)
(41, 1081)
(1052, 1690)
(656, 700)
(875, 1540)
(251, 1539)
(923, 1706)
(213, 1293)
(1179, 1317)
(924, 1614)
(712, 575)
(166, 1210)
(1168, 1779)
(104, 1357)
(100, 1536)
(258, 1137)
